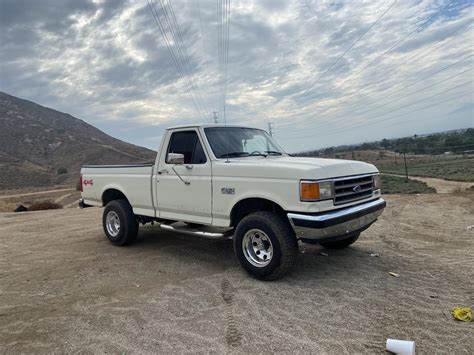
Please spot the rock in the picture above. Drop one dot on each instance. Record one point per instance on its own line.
(21, 208)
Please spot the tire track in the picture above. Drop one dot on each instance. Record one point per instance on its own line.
(233, 335)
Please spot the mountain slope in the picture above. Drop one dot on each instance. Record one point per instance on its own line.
(36, 141)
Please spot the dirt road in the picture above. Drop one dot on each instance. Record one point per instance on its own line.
(444, 186)
(64, 288)
(46, 192)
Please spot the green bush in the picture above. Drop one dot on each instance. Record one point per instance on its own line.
(398, 185)
(62, 170)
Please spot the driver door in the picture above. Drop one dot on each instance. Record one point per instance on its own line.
(184, 190)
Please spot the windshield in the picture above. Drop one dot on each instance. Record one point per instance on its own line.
(241, 142)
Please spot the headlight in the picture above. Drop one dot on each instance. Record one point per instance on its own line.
(314, 191)
(377, 182)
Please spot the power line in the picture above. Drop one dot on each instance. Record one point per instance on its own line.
(219, 45)
(358, 39)
(200, 26)
(433, 47)
(176, 56)
(368, 120)
(408, 147)
(226, 60)
(184, 55)
(353, 111)
(223, 30)
(173, 54)
(354, 114)
(171, 51)
(424, 21)
(371, 119)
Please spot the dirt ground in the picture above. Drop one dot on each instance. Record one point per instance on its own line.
(64, 288)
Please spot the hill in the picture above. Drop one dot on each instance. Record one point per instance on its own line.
(456, 141)
(41, 147)
(447, 155)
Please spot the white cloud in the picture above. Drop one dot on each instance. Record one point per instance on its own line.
(106, 62)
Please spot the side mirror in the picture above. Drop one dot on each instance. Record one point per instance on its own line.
(175, 158)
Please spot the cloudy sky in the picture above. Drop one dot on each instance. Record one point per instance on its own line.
(324, 72)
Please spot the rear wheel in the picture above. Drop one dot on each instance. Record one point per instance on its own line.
(119, 222)
(341, 244)
(265, 245)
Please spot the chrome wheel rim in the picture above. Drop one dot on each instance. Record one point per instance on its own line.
(112, 222)
(257, 248)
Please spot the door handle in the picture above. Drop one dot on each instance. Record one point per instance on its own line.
(189, 167)
(163, 171)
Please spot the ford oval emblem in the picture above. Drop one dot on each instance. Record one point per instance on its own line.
(356, 188)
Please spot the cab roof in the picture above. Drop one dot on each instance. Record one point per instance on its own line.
(205, 125)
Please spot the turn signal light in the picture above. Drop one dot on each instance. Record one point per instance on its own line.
(309, 191)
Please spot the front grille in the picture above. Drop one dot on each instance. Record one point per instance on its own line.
(346, 190)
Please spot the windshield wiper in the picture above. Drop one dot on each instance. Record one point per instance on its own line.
(273, 152)
(233, 154)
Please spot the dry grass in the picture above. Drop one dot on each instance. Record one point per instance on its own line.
(398, 185)
(448, 169)
(44, 205)
(8, 206)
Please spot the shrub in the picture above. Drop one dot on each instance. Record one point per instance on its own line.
(62, 170)
(44, 205)
(398, 185)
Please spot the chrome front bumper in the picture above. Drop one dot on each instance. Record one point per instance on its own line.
(336, 224)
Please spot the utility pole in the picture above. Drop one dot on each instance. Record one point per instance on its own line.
(214, 117)
(270, 129)
(406, 169)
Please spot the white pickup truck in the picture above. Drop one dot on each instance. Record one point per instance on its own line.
(221, 181)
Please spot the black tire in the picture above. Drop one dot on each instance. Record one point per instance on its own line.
(341, 244)
(128, 224)
(283, 242)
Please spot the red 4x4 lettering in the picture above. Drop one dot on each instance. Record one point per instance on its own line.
(88, 182)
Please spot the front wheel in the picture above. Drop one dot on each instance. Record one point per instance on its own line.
(265, 245)
(119, 222)
(341, 244)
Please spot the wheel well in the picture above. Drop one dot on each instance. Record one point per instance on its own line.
(112, 194)
(250, 205)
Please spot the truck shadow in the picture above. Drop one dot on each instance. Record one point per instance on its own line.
(218, 255)
(201, 252)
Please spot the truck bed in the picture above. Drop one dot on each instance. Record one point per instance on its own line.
(134, 181)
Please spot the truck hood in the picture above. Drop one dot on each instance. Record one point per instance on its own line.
(286, 167)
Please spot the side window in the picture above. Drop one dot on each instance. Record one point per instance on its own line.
(188, 144)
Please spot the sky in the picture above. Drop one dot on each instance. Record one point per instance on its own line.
(324, 73)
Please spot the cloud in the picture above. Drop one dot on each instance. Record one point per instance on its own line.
(105, 61)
